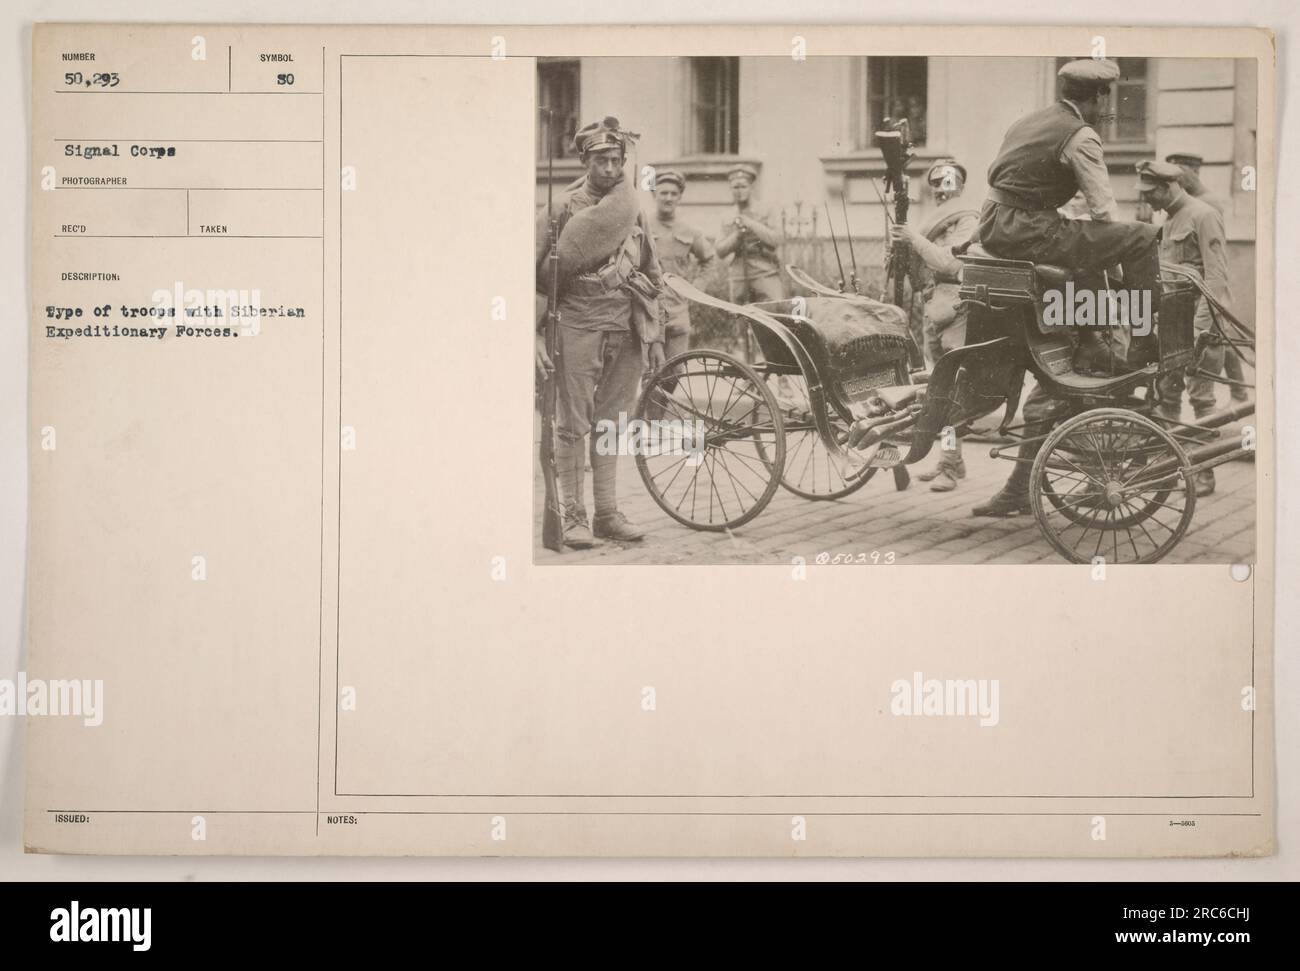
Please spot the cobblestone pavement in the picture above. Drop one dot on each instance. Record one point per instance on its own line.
(915, 525)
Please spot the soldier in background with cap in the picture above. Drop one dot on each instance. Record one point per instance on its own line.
(753, 234)
(611, 326)
(1046, 157)
(1193, 237)
(1190, 164)
(676, 244)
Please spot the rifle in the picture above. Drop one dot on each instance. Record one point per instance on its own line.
(552, 521)
(848, 234)
(746, 296)
(896, 146)
(838, 262)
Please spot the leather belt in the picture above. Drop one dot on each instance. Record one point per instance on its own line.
(1017, 202)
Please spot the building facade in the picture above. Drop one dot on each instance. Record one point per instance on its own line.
(807, 127)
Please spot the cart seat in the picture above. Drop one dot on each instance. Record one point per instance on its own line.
(1046, 275)
(1075, 381)
(1051, 277)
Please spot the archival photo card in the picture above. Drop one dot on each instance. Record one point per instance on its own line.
(918, 381)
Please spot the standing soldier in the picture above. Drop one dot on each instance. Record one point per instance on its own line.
(934, 275)
(1046, 157)
(610, 323)
(1189, 165)
(1194, 238)
(676, 243)
(753, 234)
(1190, 180)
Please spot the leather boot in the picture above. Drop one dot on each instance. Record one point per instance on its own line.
(1203, 482)
(577, 534)
(1096, 357)
(614, 525)
(1013, 497)
(569, 461)
(954, 468)
(1143, 351)
(1005, 502)
(945, 481)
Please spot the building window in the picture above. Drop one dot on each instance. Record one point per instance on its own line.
(1128, 118)
(893, 88)
(714, 85)
(557, 89)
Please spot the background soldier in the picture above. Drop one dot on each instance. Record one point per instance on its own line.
(1189, 177)
(1190, 180)
(1046, 157)
(934, 276)
(610, 323)
(1193, 237)
(753, 234)
(676, 243)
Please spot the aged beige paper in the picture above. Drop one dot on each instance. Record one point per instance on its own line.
(287, 510)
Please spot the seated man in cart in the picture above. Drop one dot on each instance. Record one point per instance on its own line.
(1046, 157)
(934, 274)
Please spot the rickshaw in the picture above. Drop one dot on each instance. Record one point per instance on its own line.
(1111, 479)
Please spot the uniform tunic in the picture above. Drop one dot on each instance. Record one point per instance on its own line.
(1194, 238)
(934, 275)
(600, 348)
(588, 302)
(755, 273)
(675, 244)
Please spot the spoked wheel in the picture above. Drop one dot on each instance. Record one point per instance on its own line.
(1112, 483)
(811, 472)
(715, 446)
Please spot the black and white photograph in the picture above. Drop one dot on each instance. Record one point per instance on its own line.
(887, 310)
(804, 296)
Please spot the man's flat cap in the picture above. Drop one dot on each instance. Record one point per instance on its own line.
(1151, 175)
(671, 177)
(599, 136)
(742, 168)
(1185, 158)
(1089, 70)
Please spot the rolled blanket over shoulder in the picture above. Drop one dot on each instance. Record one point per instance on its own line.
(592, 236)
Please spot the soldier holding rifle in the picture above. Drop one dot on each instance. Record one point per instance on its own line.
(610, 327)
(753, 234)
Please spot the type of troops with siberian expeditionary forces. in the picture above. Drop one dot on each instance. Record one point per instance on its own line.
(1049, 202)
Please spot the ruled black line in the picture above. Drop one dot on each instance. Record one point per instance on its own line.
(173, 236)
(320, 609)
(761, 795)
(338, 441)
(204, 188)
(113, 91)
(609, 812)
(204, 141)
